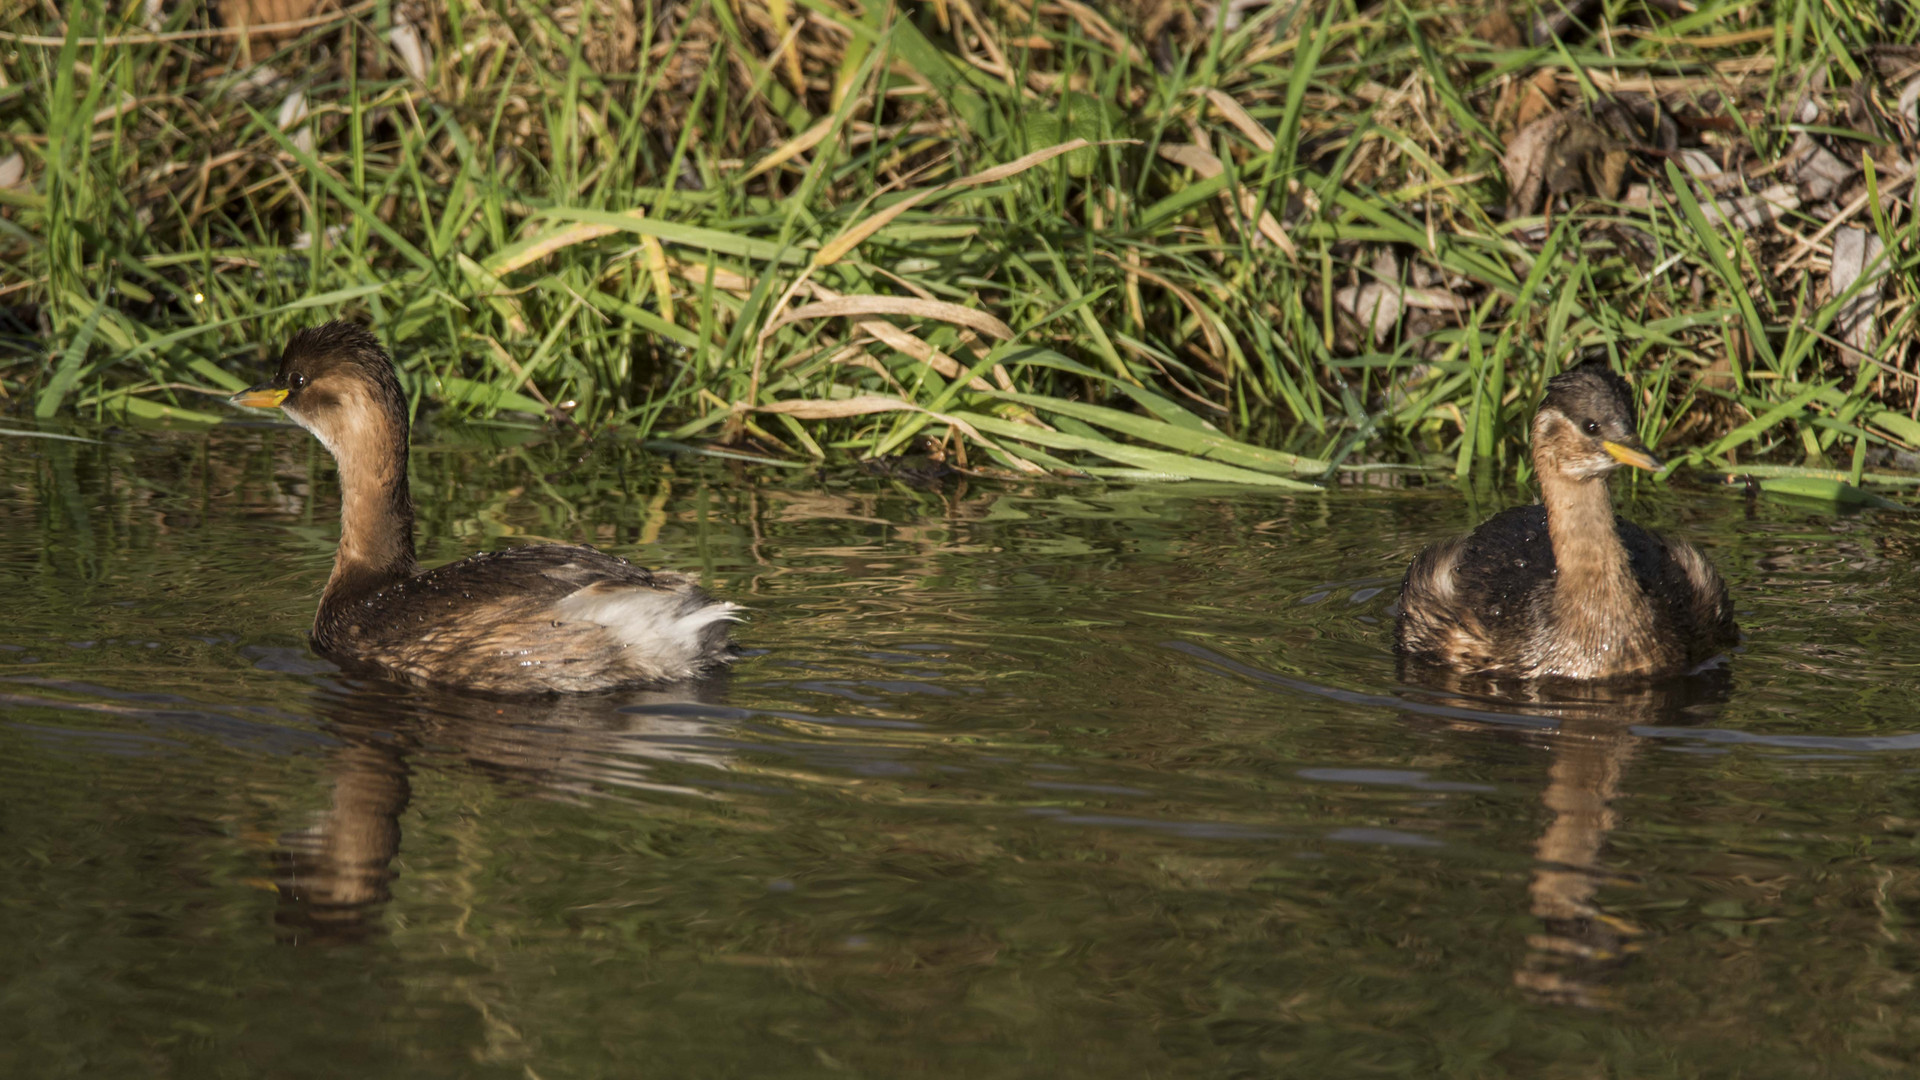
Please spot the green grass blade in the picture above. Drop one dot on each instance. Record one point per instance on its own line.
(1199, 444)
(70, 366)
(1157, 461)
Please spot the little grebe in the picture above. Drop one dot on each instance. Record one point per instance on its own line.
(538, 619)
(1565, 588)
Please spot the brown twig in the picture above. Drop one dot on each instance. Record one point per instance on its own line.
(196, 35)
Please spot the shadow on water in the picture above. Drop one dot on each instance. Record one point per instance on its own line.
(334, 876)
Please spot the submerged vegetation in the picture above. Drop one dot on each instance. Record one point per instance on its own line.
(1246, 242)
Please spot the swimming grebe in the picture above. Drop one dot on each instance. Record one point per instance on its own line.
(538, 619)
(1565, 588)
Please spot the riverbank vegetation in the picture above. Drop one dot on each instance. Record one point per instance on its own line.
(1247, 241)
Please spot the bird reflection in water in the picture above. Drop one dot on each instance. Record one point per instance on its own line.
(1592, 745)
(335, 877)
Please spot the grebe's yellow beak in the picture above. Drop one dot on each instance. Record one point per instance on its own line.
(260, 397)
(1633, 455)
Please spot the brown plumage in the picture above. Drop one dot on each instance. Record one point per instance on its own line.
(541, 619)
(1565, 588)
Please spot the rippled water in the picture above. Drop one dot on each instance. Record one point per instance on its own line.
(1013, 781)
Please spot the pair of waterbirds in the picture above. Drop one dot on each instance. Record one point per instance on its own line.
(1562, 589)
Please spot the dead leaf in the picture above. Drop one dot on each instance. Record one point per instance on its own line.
(837, 409)
(899, 340)
(1561, 154)
(1433, 300)
(892, 336)
(1536, 98)
(516, 257)
(1498, 30)
(414, 52)
(292, 116)
(1854, 254)
(696, 275)
(1375, 305)
(1753, 211)
(1698, 163)
(1820, 174)
(1522, 101)
(1242, 120)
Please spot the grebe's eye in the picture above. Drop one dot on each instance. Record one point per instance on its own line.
(1593, 426)
(296, 380)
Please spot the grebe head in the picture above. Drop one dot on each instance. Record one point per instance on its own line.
(1588, 426)
(337, 382)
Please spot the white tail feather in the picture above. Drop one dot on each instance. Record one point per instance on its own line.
(663, 629)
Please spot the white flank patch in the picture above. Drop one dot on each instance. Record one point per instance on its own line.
(1699, 573)
(649, 621)
(1441, 582)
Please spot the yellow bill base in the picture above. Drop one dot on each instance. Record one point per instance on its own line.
(1627, 455)
(260, 397)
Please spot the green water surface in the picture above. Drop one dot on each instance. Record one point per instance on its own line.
(1052, 780)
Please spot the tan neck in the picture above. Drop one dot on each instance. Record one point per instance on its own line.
(1586, 548)
(376, 510)
(1601, 617)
